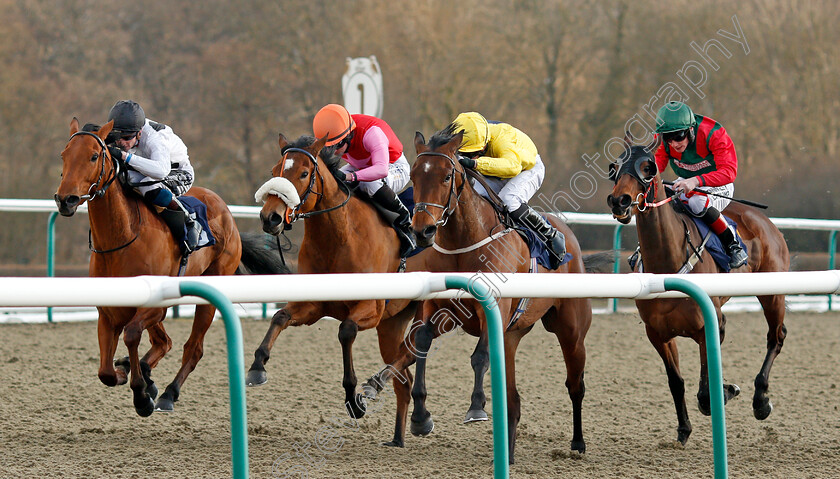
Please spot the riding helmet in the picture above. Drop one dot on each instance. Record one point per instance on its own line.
(674, 116)
(128, 117)
(334, 122)
(476, 131)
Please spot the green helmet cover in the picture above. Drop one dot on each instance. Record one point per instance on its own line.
(674, 116)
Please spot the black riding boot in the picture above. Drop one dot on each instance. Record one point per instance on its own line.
(737, 256)
(554, 239)
(177, 218)
(387, 199)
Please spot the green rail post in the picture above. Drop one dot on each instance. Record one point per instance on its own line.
(236, 372)
(714, 367)
(51, 255)
(616, 259)
(497, 370)
(832, 247)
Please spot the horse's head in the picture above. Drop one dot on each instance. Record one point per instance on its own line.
(285, 195)
(438, 182)
(635, 176)
(88, 168)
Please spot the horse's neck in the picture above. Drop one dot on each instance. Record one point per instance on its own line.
(661, 238)
(333, 226)
(472, 221)
(113, 218)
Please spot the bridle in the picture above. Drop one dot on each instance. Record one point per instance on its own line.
(650, 185)
(295, 215)
(96, 191)
(449, 208)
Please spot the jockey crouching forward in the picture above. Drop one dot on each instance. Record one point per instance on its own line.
(513, 169)
(158, 166)
(703, 155)
(375, 161)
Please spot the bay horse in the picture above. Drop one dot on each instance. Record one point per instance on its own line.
(129, 239)
(665, 244)
(342, 234)
(451, 215)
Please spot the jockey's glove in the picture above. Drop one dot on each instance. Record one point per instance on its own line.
(115, 152)
(467, 162)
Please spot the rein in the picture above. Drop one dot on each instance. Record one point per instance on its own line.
(448, 209)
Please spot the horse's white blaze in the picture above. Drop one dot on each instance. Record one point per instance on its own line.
(427, 167)
(280, 187)
(289, 164)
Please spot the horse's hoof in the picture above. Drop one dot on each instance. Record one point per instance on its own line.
(423, 429)
(475, 415)
(256, 377)
(393, 444)
(682, 436)
(579, 446)
(730, 391)
(705, 409)
(145, 407)
(151, 390)
(357, 408)
(762, 412)
(123, 363)
(164, 404)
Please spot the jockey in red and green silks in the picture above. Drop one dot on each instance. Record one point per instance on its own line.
(702, 154)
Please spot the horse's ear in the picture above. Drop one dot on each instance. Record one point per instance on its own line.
(74, 126)
(419, 142)
(628, 138)
(456, 142)
(319, 143)
(283, 142)
(657, 139)
(105, 130)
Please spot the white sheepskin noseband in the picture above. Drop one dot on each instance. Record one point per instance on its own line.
(280, 187)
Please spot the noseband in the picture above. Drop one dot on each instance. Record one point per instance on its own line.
(95, 191)
(449, 208)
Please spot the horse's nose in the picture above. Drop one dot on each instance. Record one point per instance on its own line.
(67, 205)
(426, 236)
(619, 205)
(624, 201)
(271, 224)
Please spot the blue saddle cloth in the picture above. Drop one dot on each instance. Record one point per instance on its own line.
(714, 245)
(538, 249)
(195, 206)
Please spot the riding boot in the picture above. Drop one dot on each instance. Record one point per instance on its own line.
(388, 200)
(737, 256)
(178, 218)
(554, 239)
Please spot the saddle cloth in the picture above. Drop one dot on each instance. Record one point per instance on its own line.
(196, 207)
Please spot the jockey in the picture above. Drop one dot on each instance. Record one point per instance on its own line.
(514, 170)
(158, 166)
(374, 159)
(703, 155)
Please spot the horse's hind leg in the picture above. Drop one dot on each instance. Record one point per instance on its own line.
(774, 312)
(514, 405)
(480, 362)
(143, 403)
(668, 352)
(421, 420)
(161, 344)
(390, 333)
(193, 351)
(570, 324)
(704, 398)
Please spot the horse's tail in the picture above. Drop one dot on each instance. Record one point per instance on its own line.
(601, 262)
(260, 255)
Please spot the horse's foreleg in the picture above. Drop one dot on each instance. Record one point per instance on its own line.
(774, 312)
(256, 374)
(421, 420)
(108, 339)
(390, 333)
(161, 344)
(353, 402)
(703, 393)
(143, 403)
(480, 362)
(193, 351)
(514, 405)
(668, 352)
(572, 324)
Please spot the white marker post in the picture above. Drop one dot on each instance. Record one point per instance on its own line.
(362, 86)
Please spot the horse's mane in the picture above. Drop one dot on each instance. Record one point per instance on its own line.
(444, 136)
